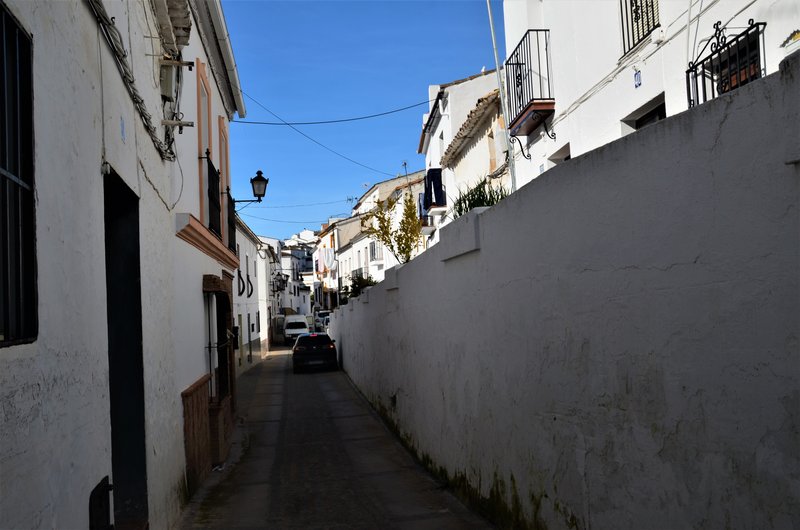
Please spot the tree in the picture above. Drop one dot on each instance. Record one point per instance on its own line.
(358, 283)
(401, 241)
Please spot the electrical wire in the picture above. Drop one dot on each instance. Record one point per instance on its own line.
(301, 205)
(114, 40)
(313, 140)
(281, 221)
(333, 121)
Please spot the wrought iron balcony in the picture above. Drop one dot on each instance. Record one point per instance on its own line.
(214, 202)
(528, 83)
(639, 19)
(231, 224)
(731, 63)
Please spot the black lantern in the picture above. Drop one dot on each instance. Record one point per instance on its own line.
(259, 183)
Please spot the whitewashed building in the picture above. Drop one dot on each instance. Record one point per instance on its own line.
(270, 287)
(115, 280)
(327, 263)
(361, 255)
(579, 75)
(296, 259)
(246, 307)
(452, 104)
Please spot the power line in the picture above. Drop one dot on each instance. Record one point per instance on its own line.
(301, 205)
(332, 121)
(315, 141)
(280, 221)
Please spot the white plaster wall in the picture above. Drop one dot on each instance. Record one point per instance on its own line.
(244, 305)
(632, 360)
(55, 438)
(190, 321)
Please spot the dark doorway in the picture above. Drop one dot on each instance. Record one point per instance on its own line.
(125, 362)
(224, 361)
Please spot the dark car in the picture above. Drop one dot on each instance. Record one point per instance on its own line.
(314, 350)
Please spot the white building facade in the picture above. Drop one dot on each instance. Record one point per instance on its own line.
(270, 288)
(579, 75)
(105, 304)
(246, 306)
(452, 104)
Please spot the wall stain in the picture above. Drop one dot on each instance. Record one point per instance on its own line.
(496, 506)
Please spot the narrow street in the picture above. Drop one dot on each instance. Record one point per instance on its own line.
(312, 454)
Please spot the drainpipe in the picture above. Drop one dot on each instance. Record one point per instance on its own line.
(503, 104)
(688, 31)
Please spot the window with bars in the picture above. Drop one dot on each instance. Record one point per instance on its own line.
(375, 251)
(639, 19)
(18, 297)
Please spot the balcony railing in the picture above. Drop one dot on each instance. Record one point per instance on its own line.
(731, 63)
(639, 19)
(529, 83)
(214, 206)
(231, 223)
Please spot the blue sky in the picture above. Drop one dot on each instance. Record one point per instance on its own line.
(327, 60)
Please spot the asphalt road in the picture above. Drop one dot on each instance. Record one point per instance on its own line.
(311, 453)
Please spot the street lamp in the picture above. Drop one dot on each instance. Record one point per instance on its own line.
(259, 184)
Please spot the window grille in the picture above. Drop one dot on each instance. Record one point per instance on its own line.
(732, 63)
(375, 251)
(18, 293)
(639, 19)
(214, 206)
(232, 225)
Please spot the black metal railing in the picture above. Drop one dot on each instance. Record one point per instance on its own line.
(231, 223)
(639, 19)
(528, 72)
(358, 273)
(731, 63)
(214, 206)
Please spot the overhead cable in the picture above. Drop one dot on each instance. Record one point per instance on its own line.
(315, 141)
(301, 205)
(333, 121)
(114, 40)
(282, 221)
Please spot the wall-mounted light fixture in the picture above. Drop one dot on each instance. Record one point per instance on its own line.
(259, 184)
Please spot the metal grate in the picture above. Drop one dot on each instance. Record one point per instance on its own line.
(231, 223)
(639, 18)
(214, 206)
(731, 64)
(18, 305)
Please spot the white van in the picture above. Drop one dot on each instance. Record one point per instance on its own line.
(294, 325)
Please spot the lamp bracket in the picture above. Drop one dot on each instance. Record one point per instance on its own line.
(175, 62)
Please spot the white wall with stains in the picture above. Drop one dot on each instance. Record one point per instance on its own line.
(616, 345)
(55, 439)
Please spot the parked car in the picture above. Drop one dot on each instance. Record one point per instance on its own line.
(293, 327)
(319, 319)
(314, 350)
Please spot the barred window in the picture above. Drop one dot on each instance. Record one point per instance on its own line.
(18, 303)
(639, 19)
(375, 251)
